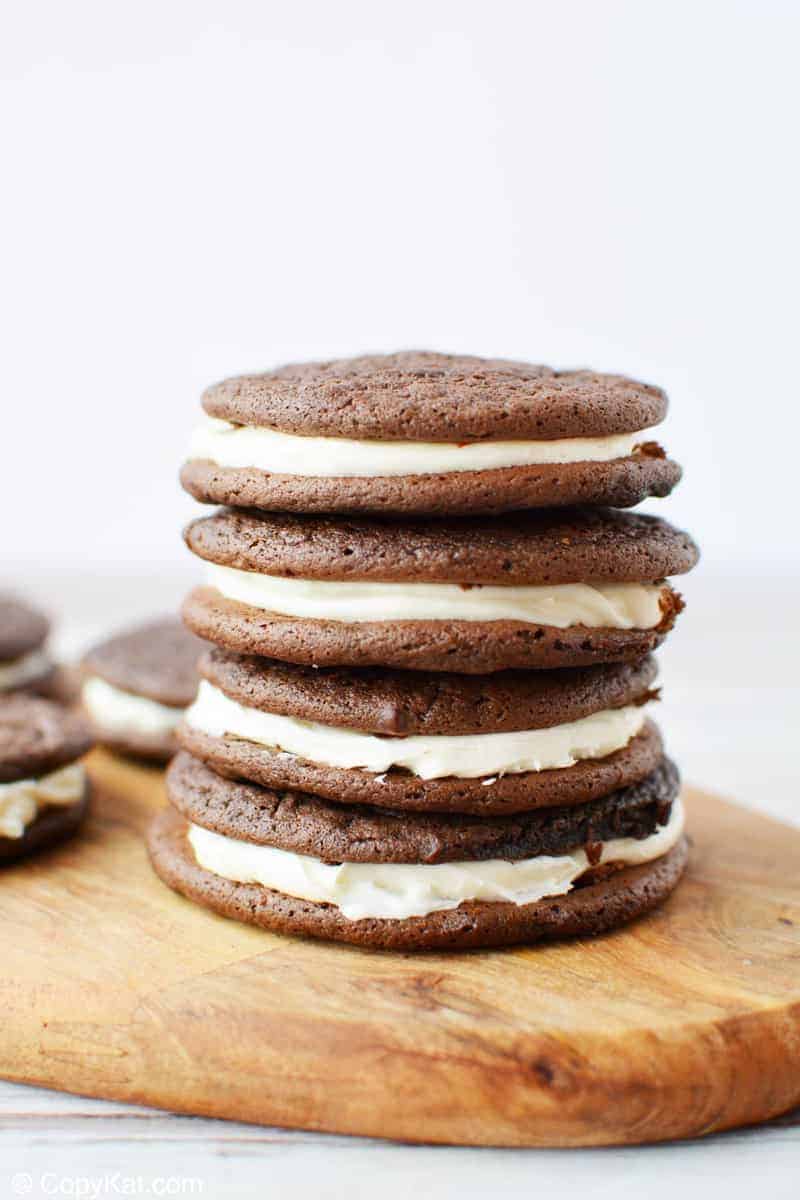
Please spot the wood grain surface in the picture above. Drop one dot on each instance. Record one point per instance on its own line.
(685, 1023)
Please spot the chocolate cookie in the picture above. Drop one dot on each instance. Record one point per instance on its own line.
(147, 676)
(596, 905)
(404, 703)
(157, 660)
(399, 790)
(44, 791)
(24, 662)
(334, 833)
(38, 736)
(270, 571)
(418, 432)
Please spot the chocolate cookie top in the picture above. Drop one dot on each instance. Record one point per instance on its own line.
(38, 736)
(404, 703)
(157, 660)
(418, 395)
(543, 547)
(336, 833)
(22, 627)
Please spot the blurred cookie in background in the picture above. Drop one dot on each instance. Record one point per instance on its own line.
(137, 684)
(44, 789)
(25, 662)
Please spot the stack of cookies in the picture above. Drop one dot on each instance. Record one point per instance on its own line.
(424, 721)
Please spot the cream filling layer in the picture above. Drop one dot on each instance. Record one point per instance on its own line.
(601, 606)
(393, 891)
(119, 712)
(271, 450)
(22, 801)
(16, 672)
(431, 756)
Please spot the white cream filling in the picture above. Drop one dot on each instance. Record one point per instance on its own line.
(16, 672)
(396, 890)
(21, 801)
(270, 450)
(601, 606)
(118, 712)
(428, 756)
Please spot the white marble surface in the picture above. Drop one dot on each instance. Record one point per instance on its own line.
(730, 711)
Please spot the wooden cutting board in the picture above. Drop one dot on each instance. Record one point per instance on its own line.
(686, 1022)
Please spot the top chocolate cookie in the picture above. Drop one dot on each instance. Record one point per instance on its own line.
(37, 736)
(428, 433)
(157, 660)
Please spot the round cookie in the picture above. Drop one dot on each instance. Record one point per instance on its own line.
(604, 549)
(419, 432)
(24, 662)
(304, 824)
(590, 909)
(148, 676)
(39, 739)
(406, 703)
(38, 736)
(403, 792)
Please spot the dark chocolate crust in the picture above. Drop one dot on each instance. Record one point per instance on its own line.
(403, 792)
(337, 833)
(157, 660)
(587, 910)
(51, 826)
(621, 483)
(465, 647)
(546, 547)
(404, 703)
(419, 395)
(38, 736)
(22, 627)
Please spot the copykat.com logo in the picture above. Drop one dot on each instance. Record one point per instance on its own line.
(112, 1183)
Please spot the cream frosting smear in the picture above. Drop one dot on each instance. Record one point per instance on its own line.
(266, 449)
(16, 672)
(22, 801)
(597, 606)
(116, 711)
(428, 756)
(394, 891)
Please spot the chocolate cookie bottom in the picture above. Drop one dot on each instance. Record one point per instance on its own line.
(461, 647)
(619, 483)
(51, 826)
(593, 907)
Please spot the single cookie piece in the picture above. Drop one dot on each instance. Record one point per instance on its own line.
(501, 743)
(472, 596)
(336, 833)
(428, 906)
(44, 790)
(418, 432)
(25, 664)
(137, 686)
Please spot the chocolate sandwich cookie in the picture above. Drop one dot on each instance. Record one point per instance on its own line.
(335, 833)
(419, 432)
(25, 664)
(409, 741)
(44, 790)
(294, 864)
(546, 589)
(137, 686)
